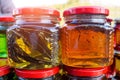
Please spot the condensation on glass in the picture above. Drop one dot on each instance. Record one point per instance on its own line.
(86, 40)
(34, 39)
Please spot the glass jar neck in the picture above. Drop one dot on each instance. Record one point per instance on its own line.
(86, 18)
(6, 24)
(36, 19)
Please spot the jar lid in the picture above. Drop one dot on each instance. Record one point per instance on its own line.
(43, 73)
(86, 72)
(109, 19)
(6, 19)
(36, 11)
(4, 70)
(86, 10)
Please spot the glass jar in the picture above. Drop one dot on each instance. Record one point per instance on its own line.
(86, 41)
(45, 74)
(84, 73)
(117, 47)
(34, 39)
(117, 64)
(5, 22)
(117, 35)
(4, 73)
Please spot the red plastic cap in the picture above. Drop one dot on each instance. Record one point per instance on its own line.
(91, 72)
(36, 11)
(37, 73)
(4, 70)
(86, 10)
(6, 19)
(109, 19)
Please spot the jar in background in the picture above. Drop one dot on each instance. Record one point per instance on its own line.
(5, 22)
(117, 35)
(34, 39)
(86, 41)
(43, 74)
(84, 73)
(117, 47)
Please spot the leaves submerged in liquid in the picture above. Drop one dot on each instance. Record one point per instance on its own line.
(33, 46)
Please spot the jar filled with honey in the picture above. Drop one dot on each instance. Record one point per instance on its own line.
(34, 39)
(86, 40)
(117, 35)
(5, 23)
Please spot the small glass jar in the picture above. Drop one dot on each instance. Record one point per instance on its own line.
(4, 73)
(86, 40)
(84, 73)
(45, 74)
(117, 35)
(117, 47)
(34, 39)
(5, 22)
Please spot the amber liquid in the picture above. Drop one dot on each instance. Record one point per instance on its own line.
(86, 46)
(33, 46)
(117, 39)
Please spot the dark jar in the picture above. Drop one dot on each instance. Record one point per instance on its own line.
(45, 74)
(84, 73)
(34, 39)
(87, 42)
(5, 23)
(5, 73)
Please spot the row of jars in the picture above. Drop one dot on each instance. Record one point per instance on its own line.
(36, 40)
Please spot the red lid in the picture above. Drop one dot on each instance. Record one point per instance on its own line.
(6, 19)
(36, 11)
(37, 73)
(91, 72)
(109, 19)
(4, 70)
(86, 10)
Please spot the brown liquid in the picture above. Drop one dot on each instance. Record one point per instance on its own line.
(33, 47)
(117, 36)
(86, 46)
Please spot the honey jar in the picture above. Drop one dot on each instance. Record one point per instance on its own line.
(86, 40)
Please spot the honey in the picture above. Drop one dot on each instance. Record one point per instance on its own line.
(86, 41)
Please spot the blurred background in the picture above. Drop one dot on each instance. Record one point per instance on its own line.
(112, 5)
